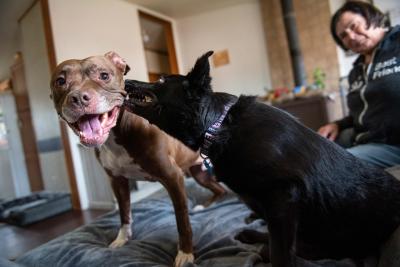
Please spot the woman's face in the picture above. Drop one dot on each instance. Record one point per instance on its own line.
(352, 30)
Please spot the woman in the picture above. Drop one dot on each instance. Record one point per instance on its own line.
(373, 126)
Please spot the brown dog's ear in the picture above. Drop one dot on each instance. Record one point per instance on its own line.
(127, 69)
(118, 61)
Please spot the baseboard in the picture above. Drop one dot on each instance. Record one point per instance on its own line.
(145, 189)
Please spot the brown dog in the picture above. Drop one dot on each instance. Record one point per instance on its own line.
(88, 94)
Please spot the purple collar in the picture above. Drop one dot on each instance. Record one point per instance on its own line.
(212, 132)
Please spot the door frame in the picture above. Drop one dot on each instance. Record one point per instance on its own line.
(76, 204)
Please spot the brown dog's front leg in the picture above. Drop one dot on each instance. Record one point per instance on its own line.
(176, 190)
(120, 186)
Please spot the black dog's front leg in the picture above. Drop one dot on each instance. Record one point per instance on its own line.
(282, 233)
(282, 228)
(282, 244)
(250, 236)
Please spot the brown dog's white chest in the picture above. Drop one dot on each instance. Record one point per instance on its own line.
(118, 162)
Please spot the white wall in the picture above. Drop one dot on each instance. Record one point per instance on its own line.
(387, 5)
(392, 7)
(239, 30)
(45, 121)
(38, 74)
(94, 27)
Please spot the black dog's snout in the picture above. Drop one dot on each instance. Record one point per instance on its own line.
(80, 98)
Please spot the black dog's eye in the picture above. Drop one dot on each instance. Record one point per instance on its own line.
(104, 76)
(161, 80)
(60, 81)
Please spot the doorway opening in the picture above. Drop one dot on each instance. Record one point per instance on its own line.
(158, 43)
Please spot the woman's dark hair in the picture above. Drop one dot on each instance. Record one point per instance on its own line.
(372, 15)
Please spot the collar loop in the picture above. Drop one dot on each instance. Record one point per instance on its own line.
(212, 131)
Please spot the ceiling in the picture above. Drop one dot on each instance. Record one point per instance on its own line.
(153, 34)
(10, 12)
(184, 8)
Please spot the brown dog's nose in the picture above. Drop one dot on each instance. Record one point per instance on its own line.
(79, 98)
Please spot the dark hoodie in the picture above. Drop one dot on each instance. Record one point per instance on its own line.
(374, 94)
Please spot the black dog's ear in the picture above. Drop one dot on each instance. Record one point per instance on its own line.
(199, 76)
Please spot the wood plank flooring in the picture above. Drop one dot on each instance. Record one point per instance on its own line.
(17, 240)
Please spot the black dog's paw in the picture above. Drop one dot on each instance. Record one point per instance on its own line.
(249, 236)
(264, 253)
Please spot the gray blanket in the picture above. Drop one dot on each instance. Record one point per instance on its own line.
(155, 237)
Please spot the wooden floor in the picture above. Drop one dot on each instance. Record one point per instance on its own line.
(17, 240)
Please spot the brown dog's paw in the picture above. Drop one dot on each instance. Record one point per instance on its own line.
(182, 258)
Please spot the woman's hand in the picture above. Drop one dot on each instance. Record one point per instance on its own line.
(330, 131)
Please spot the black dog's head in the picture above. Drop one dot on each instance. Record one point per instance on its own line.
(175, 101)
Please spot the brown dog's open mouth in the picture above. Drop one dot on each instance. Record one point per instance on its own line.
(142, 98)
(93, 129)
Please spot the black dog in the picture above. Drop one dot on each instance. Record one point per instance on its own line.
(318, 200)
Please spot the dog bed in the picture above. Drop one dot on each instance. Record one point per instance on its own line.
(34, 207)
(154, 241)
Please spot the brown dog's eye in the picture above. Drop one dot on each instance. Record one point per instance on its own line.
(104, 76)
(60, 81)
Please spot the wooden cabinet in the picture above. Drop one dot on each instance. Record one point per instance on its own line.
(311, 111)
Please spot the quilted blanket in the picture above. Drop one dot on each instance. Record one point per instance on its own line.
(155, 238)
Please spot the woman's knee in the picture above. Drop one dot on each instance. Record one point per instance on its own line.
(380, 155)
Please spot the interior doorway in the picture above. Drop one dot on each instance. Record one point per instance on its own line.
(158, 43)
(13, 175)
(26, 128)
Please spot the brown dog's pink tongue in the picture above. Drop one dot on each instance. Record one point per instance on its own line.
(90, 126)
